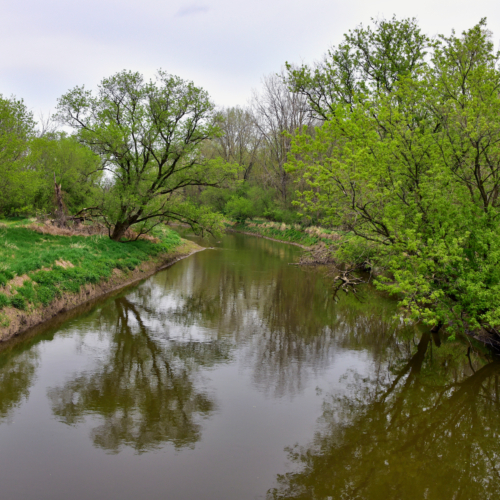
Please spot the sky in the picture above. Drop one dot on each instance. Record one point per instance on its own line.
(223, 46)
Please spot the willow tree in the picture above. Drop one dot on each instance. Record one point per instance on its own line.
(414, 172)
(148, 135)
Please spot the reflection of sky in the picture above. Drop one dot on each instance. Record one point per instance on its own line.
(226, 47)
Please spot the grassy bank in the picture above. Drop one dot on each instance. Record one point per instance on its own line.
(38, 269)
(307, 237)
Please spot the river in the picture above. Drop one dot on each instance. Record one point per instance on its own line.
(234, 375)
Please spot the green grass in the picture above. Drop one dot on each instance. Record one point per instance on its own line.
(26, 252)
(288, 235)
(15, 221)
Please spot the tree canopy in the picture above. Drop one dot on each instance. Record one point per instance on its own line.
(411, 170)
(17, 127)
(148, 135)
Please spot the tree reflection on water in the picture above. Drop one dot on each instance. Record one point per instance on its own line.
(410, 420)
(17, 375)
(427, 428)
(144, 390)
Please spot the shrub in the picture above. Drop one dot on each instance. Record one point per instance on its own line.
(18, 302)
(4, 300)
(239, 209)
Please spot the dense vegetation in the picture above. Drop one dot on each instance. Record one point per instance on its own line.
(392, 141)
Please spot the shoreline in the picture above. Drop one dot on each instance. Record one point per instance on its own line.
(23, 321)
(257, 235)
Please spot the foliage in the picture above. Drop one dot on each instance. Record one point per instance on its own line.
(414, 168)
(148, 135)
(239, 208)
(17, 179)
(368, 61)
(76, 168)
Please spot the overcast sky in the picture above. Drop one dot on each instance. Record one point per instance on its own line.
(224, 46)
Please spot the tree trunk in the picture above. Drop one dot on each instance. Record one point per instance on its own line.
(60, 215)
(119, 230)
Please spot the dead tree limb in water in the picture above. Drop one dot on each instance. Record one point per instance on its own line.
(346, 283)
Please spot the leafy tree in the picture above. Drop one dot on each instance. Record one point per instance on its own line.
(148, 135)
(367, 61)
(17, 179)
(414, 169)
(75, 167)
(240, 139)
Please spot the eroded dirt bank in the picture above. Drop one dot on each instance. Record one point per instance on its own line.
(21, 321)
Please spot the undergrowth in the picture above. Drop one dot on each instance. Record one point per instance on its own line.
(57, 264)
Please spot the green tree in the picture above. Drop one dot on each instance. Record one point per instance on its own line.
(75, 167)
(414, 170)
(367, 61)
(240, 208)
(239, 141)
(17, 179)
(148, 135)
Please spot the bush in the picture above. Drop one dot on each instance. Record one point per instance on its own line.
(4, 300)
(282, 215)
(18, 302)
(239, 208)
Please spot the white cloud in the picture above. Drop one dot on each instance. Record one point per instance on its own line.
(190, 10)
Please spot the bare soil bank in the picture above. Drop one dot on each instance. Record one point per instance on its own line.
(21, 321)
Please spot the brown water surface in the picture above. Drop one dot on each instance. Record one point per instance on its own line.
(233, 375)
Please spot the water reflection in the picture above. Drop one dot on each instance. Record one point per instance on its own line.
(411, 417)
(144, 391)
(282, 319)
(425, 427)
(17, 375)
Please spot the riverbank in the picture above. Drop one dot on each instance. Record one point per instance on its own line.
(287, 233)
(42, 275)
(315, 240)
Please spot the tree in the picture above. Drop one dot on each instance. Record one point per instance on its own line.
(367, 61)
(17, 179)
(240, 140)
(148, 135)
(75, 167)
(414, 170)
(278, 114)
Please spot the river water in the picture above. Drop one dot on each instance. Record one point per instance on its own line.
(234, 375)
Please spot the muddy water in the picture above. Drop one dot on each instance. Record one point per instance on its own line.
(233, 375)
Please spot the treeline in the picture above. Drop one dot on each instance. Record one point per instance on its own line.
(255, 140)
(258, 139)
(393, 139)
